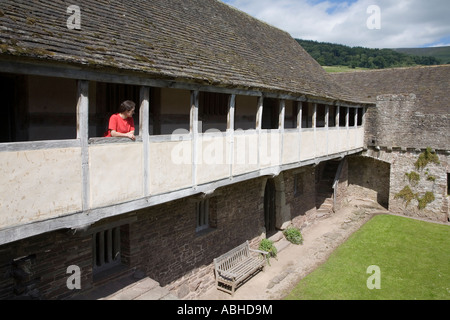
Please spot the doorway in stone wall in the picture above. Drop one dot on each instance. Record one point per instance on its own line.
(270, 207)
(369, 178)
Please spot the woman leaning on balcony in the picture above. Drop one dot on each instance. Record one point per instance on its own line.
(121, 124)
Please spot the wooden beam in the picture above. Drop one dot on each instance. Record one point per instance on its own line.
(281, 120)
(281, 114)
(231, 112)
(299, 127)
(259, 115)
(230, 131)
(144, 118)
(314, 125)
(39, 145)
(83, 136)
(194, 132)
(338, 111)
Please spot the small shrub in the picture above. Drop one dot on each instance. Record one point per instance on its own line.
(413, 178)
(293, 235)
(426, 199)
(406, 194)
(268, 246)
(426, 157)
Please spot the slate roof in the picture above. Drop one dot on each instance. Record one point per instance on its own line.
(200, 41)
(430, 84)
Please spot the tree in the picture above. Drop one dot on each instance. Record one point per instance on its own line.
(329, 54)
(379, 62)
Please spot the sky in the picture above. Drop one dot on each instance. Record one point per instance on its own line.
(365, 23)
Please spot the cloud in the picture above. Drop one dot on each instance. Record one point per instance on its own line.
(404, 23)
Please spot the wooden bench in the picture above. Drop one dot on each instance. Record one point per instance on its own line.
(235, 266)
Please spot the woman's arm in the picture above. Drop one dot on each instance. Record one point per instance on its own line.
(129, 135)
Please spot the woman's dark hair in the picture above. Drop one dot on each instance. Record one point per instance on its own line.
(127, 105)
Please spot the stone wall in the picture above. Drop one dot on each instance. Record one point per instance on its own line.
(169, 250)
(160, 241)
(432, 178)
(36, 268)
(342, 187)
(412, 105)
(398, 130)
(399, 120)
(368, 178)
(300, 198)
(389, 124)
(240, 217)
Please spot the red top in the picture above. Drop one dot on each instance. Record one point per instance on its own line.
(120, 125)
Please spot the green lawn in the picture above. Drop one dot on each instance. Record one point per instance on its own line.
(413, 257)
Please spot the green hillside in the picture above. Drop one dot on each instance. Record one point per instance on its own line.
(330, 54)
(441, 53)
